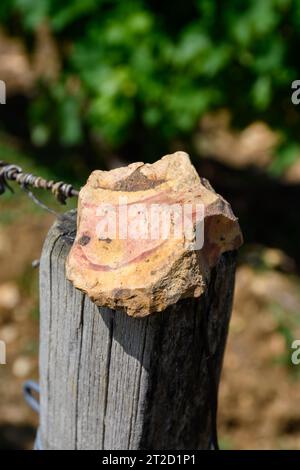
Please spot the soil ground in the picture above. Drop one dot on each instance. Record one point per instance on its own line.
(260, 388)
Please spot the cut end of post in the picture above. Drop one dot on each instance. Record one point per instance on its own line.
(148, 235)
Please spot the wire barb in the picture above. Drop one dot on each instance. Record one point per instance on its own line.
(11, 172)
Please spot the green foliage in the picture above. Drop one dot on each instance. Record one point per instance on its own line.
(286, 156)
(156, 67)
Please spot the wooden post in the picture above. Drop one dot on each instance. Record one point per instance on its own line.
(132, 359)
(111, 381)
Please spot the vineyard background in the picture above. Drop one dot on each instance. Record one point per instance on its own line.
(98, 84)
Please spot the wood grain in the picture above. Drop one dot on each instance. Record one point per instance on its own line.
(110, 381)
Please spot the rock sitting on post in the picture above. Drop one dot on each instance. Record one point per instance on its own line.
(140, 231)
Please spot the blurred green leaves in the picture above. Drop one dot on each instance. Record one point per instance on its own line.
(139, 66)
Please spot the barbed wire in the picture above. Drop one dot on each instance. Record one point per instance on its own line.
(10, 172)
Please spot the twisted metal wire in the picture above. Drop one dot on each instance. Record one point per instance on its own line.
(11, 172)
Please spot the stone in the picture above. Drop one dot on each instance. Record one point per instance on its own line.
(9, 295)
(148, 235)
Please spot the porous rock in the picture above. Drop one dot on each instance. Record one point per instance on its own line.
(145, 274)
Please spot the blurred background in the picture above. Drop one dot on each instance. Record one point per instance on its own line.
(99, 83)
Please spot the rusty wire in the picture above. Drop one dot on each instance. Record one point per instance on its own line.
(10, 172)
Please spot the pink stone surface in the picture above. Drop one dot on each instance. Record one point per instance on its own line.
(143, 275)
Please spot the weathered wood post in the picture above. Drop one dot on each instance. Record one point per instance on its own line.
(136, 380)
